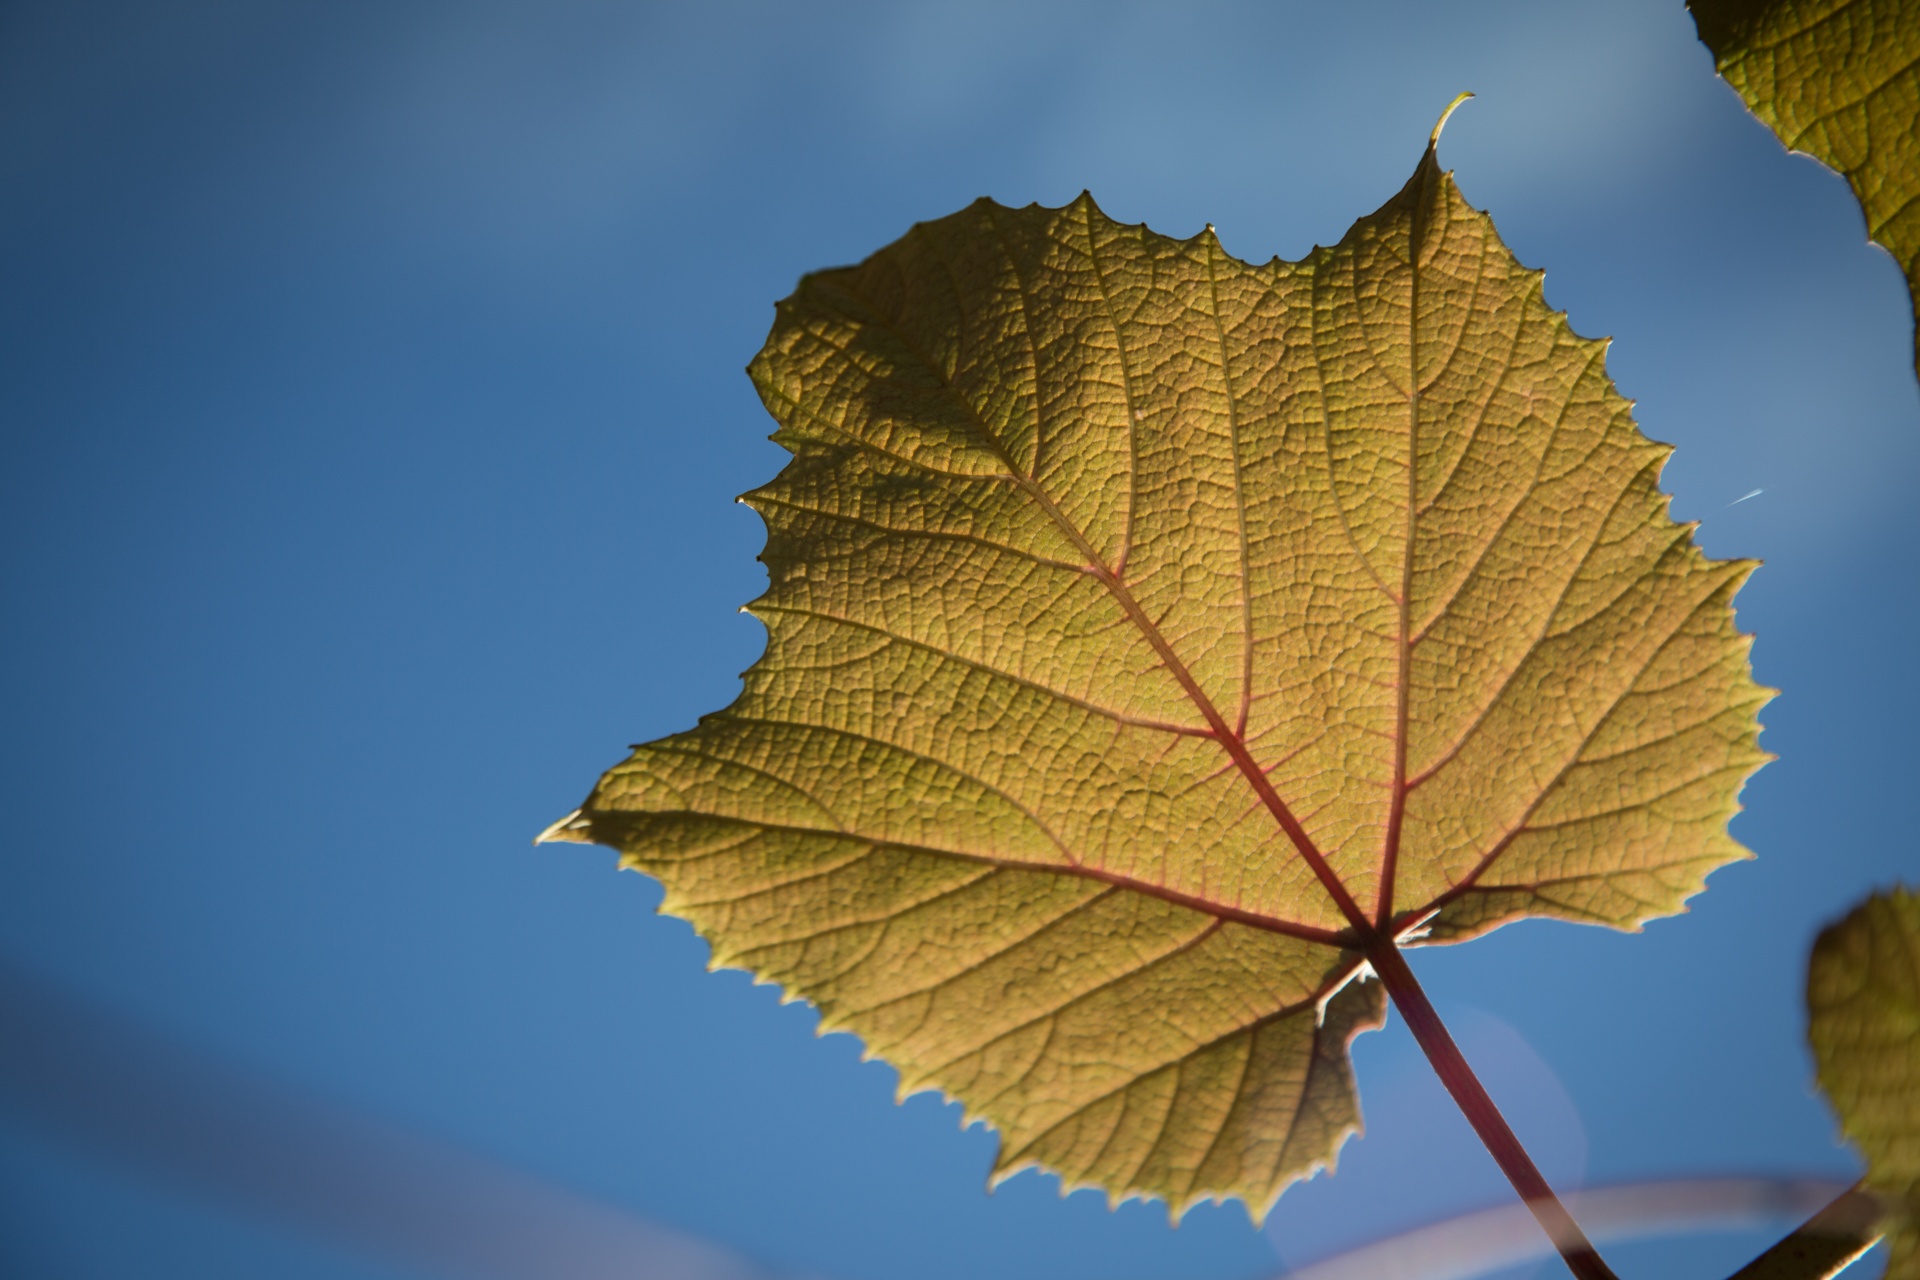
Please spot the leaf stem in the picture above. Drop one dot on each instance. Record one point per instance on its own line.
(1474, 1102)
(1827, 1243)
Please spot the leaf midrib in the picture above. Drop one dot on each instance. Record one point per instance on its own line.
(1397, 801)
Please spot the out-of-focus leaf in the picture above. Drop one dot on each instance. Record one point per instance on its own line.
(1149, 632)
(1863, 1005)
(1839, 80)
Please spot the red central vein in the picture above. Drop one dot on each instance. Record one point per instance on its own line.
(1239, 498)
(1397, 804)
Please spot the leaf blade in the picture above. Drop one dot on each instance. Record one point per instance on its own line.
(1108, 578)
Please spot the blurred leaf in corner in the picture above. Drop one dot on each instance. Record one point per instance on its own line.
(1840, 81)
(1863, 1004)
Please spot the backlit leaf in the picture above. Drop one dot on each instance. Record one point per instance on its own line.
(1839, 80)
(1116, 584)
(1863, 1005)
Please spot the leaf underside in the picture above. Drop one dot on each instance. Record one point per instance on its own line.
(1863, 1004)
(1839, 80)
(1115, 583)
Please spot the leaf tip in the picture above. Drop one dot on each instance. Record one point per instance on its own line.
(572, 829)
(1433, 139)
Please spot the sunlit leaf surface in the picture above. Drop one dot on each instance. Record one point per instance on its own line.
(1115, 584)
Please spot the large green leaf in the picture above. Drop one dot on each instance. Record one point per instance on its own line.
(1863, 1005)
(1839, 80)
(1149, 632)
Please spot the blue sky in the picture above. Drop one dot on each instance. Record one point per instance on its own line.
(371, 393)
